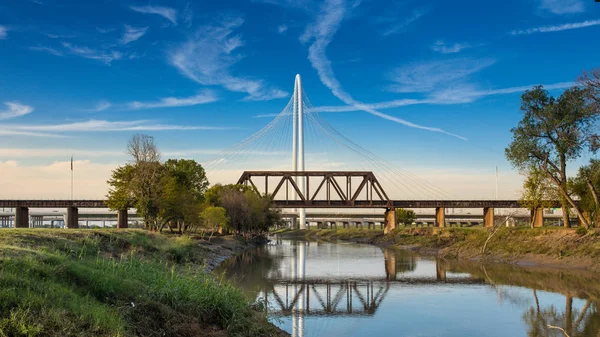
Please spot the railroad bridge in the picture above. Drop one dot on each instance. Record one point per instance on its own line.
(334, 189)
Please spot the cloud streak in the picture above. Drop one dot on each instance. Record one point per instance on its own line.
(449, 96)
(14, 109)
(132, 34)
(444, 97)
(166, 12)
(105, 57)
(208, 57)
(556, 28)
(204, 97)
(3, 32)
(427, 76)
(321, 32)
(48, 50)
(56, 130)
(444, 48)
(561, 7)
(399, 27)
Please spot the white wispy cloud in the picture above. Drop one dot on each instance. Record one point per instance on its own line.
(7, 132)
(14, 109)
(9, 152)
(464, 94)
(60, 36)
(561, 7)
(100, 106)
(427, 76)
(321, 32)
(105, 30)
(399, 26)
(49, 50)
(282, 28)
(3, 32)
(166, 12)
(556, 28)
(132, 34)
(55, 130)
(203, 97)
(444, 48)
(208, 56)
(12, 153)
(103, 56)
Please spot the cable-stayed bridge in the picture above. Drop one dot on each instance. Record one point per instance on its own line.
(361, 179)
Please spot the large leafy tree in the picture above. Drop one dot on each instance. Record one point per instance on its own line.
(161, 193)
(553, 132)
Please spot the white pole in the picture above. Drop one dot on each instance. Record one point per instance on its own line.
(301, 211)
(295, 138)
(496, 182)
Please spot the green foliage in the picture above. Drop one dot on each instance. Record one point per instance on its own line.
(115, 283)
(538, 190)
(553, 132)
(215, 217)
(162, 193)
(248, 212)
(586, 185)
(405, 216)
(581, 230)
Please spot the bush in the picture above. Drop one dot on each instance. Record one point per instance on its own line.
(581, 230)
(405, 216)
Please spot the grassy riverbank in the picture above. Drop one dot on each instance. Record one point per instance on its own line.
(544, 246)
(119, 283)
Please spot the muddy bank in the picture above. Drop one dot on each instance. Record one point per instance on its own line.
(550, 247)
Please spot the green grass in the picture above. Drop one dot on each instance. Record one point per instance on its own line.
(115, 283)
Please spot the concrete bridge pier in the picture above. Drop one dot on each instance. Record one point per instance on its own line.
(440, 217)
(488, 217)
(72, 217)
(21, 217)
(537, 216)
(122, 219)
(390, 220)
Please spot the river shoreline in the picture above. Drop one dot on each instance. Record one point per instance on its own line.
(122, 282)
(549, 248)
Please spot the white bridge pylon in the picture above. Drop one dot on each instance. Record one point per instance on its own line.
(298, 144)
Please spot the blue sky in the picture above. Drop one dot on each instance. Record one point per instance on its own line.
(425, 84)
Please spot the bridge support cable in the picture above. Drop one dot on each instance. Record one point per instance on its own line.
(385, 171)
(331, 132)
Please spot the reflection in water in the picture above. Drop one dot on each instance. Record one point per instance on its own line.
(315, 289)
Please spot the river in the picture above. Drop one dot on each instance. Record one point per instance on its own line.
(347, 289)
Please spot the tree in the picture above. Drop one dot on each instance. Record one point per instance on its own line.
(553, 132)
(161, 193)
(538, 191)
(586, 185)
(142, 149)
(248, 212)
(405, 216)
(214, 217)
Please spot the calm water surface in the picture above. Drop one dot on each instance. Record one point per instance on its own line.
(342, 289)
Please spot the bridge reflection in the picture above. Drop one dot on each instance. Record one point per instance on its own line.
(276, 275)
(349, 282)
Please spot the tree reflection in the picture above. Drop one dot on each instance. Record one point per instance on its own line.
(580, 323)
